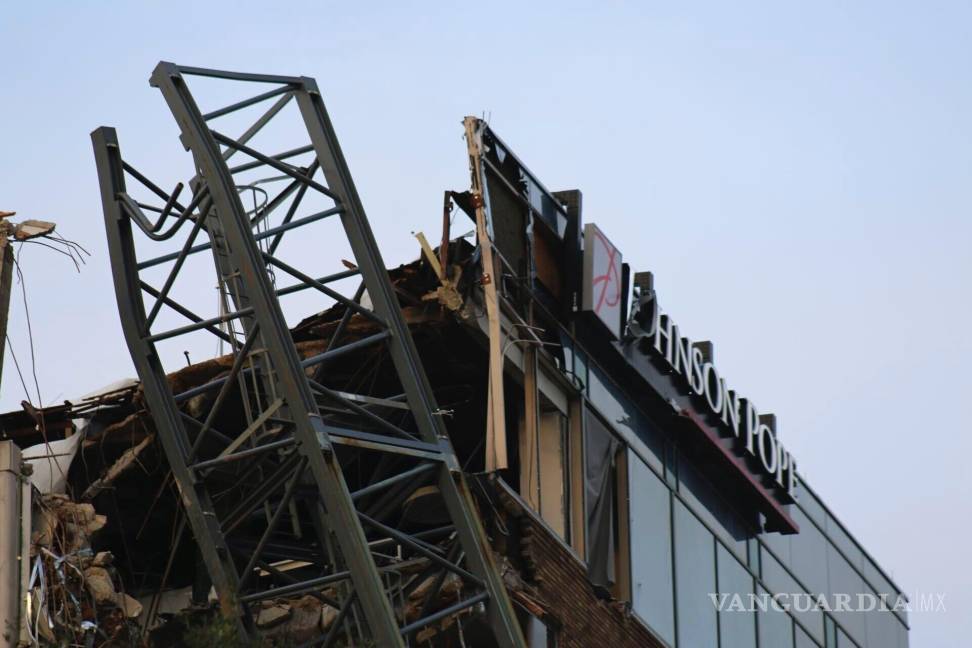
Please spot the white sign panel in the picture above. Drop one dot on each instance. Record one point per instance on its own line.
(602, 278)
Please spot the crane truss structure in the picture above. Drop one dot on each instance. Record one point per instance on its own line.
(289, 485)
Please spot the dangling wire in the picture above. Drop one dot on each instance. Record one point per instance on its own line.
(30, 330)
(17, 366)
(71, 249)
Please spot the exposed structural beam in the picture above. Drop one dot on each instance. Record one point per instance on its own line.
(496, 457)
(281, 459)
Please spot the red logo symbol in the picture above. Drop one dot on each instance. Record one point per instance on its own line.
(607, 287)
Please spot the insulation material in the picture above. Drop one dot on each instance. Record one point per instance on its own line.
(50, 463)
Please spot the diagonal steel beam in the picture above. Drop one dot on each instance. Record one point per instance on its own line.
(451, 482)
(198, 506)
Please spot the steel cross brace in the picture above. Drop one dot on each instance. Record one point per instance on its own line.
(296, 449)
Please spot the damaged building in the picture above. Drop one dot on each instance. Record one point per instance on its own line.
(506, 442)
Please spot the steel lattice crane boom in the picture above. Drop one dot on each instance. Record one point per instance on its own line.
(289, 486)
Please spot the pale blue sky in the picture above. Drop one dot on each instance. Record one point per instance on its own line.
(797, 176)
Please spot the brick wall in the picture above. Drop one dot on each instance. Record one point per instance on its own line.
(556, 580)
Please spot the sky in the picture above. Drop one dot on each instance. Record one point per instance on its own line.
(796, 176)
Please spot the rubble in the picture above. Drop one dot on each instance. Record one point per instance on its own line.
(73, 595)
(92, 587)
(111, 566)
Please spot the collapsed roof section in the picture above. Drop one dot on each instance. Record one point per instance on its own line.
(132, 510)
(297, 457)
(308, 480)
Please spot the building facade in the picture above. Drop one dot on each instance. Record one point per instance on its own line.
(671, 488)
(617, 490)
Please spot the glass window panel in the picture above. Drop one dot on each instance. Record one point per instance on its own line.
(810, 504)
(651, 549)
(694, 581)
(882, 585)
(712, 508)
(803, 640)
(844, 542)
(843, 641)
(883, 628)
(845, 582)
(830, 632)
(808, 554)
(901, 632)
(779, 543)
(737, 623)
(600, 448)
(775, 625)
(801, 606)
(752, 555)
(628, 420)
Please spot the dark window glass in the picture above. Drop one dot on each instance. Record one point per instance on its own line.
(798, 601)
(599, 499)
(737, 623)
(775, 625)
(652, 597)
(694, 581)
(712, 508)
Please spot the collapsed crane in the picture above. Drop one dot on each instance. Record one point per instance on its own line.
(300, 494)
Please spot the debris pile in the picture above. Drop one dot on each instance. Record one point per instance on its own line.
(75, 596)
(111, 561)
